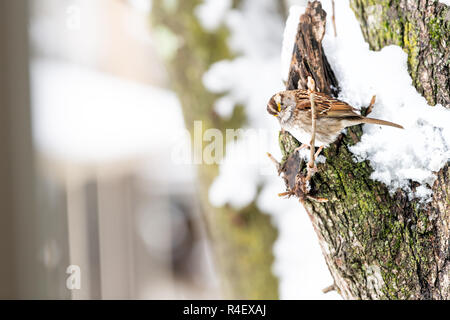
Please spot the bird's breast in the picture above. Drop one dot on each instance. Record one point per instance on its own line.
(324, 136)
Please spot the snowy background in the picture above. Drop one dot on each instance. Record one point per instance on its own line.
(97, 96)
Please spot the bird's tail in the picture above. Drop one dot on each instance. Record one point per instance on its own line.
(381, 122)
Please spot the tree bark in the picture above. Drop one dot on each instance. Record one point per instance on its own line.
(242, 239)
(376, 245)
(422, 29)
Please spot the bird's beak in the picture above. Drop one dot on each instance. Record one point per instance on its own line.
(279, 109)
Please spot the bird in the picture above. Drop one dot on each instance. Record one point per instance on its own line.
(293, 110)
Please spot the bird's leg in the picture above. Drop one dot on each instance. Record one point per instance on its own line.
(312, 168)
(312, 163)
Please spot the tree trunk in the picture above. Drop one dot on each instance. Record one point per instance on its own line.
(377, 246)
(242, 240)
(422, 29)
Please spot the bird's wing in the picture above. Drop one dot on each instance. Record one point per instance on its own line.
(326, 105)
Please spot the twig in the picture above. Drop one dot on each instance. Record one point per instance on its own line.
(277, 164)
(286, 194)
(311, 164)
(329, 288)
(370, 107)
(333, 18)
(317, 199)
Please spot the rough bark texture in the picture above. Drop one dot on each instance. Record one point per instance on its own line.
(376, 245)
(422, 29)
(308, 58)
(242, 239)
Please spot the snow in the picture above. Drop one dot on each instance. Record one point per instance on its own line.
(247, 80)
(239, 173)
(86, 116)
(290, 32)
(250, 80)
(396, 156)
(299, 263)
(255, 30)
(211, 13)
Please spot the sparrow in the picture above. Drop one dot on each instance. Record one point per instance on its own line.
(293, 110)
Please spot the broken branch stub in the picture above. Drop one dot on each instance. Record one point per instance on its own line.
(308, 59)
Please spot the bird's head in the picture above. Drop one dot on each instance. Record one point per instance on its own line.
(279, 102)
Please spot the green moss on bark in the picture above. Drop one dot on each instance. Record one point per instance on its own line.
(381, 243)
(422, 29)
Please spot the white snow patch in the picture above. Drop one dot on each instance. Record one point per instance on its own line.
(396, 155)
(290, 32)
(224, 107)
(246, 80)
(245, 167)
(211, 13)
(299, 263)
(423, 192)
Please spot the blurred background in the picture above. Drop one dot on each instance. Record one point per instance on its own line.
(101, 196)
(93, 96)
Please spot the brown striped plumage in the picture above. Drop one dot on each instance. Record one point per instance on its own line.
(293, 110)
